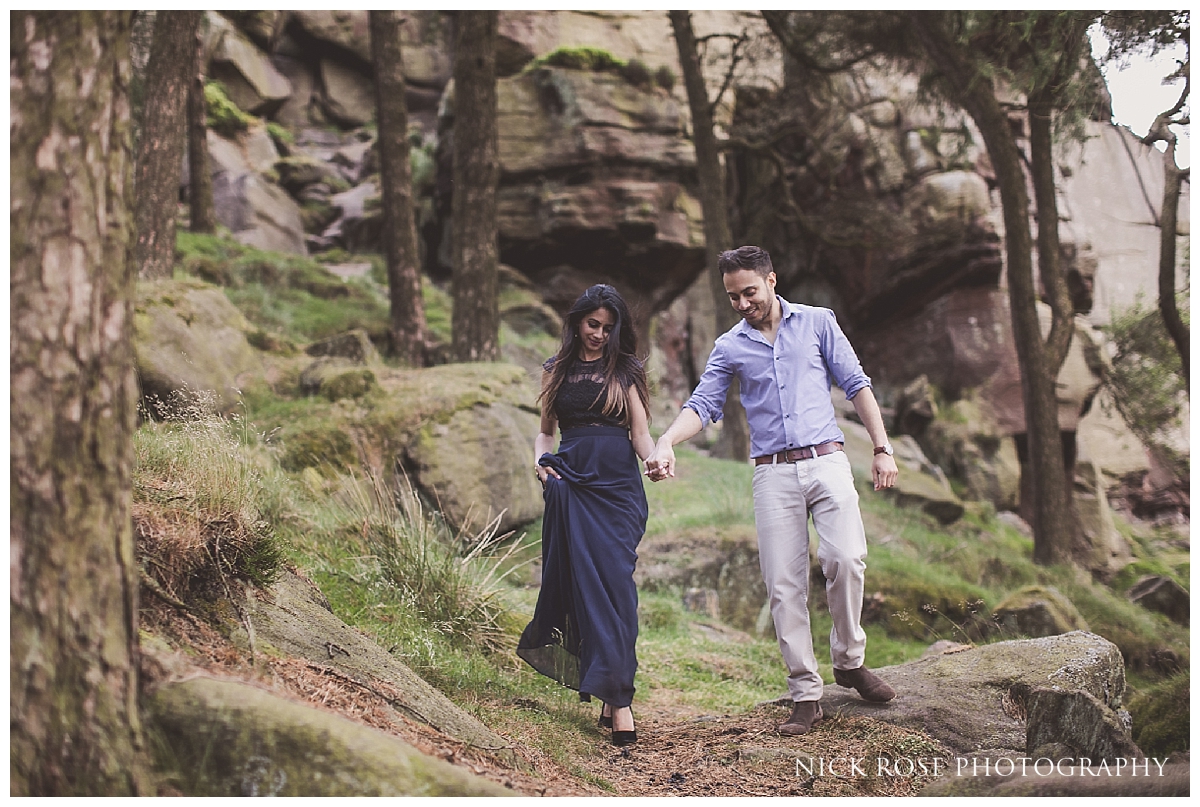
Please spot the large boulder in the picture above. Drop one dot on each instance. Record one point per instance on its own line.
(347, 96)
(227, 738)
(1038, 611)
(1164, 595)
(191, 341)
(256, 211)
(976, 699)
(478, 462)
(462, 434)
(250, 79)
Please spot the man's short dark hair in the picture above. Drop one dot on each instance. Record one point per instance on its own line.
(755, 259)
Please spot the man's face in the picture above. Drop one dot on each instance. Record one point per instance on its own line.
(751, 294)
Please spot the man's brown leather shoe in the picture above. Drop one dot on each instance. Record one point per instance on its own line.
(869, 685)
(805, 715)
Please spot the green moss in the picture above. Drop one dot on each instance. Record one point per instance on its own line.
(321, 446)
(282, 136)
(665, 78)
(1160, 726)
(351, 384)
(579, 58)
(224, 116)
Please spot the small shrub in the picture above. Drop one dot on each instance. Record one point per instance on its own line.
(636, 73)
(665, 78)
(224, 116)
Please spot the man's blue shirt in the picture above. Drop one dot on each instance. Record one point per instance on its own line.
(785, 386)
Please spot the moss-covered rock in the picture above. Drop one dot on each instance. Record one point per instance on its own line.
(225, 738)
(1060, 724)
(975, 699)
(292, 617)
(190, 340)
(1038, 611)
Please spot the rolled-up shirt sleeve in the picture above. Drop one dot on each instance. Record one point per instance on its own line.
(841, 359)
(708, 399)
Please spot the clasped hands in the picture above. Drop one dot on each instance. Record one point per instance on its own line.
(660, 464)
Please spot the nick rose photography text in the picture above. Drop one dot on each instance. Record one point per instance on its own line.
(845, 767)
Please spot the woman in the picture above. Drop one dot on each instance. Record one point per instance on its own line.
(585, 624)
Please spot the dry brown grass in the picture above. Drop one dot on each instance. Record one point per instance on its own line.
(201, 508)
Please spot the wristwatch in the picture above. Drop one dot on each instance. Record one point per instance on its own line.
(886, 448)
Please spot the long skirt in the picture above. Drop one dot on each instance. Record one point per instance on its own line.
(585, 624)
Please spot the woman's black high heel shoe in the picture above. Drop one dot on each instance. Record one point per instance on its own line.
(604, 721)
(623, 738)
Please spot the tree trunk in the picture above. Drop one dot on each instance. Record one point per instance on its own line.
(203, 216)
(73, 716)
(161, 140)
(1179, 332)
(1041, 161)
(476, 318)
(1053, 528)
(734, 442)
(406, 326)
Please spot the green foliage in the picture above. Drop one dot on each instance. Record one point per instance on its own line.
(1161, 721)
(457, 594)
(597, 60)
(637, 73)
(582, 58)
(1143, 31)
(664, 77)
(224, 116)
(282, 136)
(1146, 383)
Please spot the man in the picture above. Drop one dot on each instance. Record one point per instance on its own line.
(784, 356)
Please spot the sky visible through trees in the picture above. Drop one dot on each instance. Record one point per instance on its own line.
(1138, 92)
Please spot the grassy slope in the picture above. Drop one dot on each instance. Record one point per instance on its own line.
(933, 579)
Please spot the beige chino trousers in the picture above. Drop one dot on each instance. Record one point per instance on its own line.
(784, 496)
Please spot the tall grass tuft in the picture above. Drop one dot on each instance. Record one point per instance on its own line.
(203, 508)
(449, 578)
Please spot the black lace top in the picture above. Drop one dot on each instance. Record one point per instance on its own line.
(580, 401)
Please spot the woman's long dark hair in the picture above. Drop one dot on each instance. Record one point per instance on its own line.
(618, 361)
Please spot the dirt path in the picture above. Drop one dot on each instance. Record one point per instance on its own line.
(679, 753)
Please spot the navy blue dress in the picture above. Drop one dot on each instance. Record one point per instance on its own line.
(585, 624)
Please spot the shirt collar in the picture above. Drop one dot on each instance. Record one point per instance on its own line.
(786, 309)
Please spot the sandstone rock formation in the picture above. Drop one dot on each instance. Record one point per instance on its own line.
(975, 701)
(293, 618)
(240, 740)
(190, 343)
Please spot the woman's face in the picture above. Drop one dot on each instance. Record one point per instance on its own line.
(594, 330)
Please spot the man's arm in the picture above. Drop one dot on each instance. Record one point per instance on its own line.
(883, 466)
(661, 463)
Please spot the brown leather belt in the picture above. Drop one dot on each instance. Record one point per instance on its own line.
(804, 453)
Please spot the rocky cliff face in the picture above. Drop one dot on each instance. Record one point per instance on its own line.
(895, 224)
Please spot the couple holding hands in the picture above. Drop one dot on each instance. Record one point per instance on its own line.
(594, 390)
